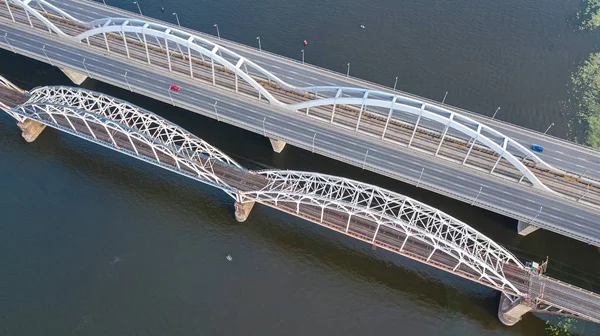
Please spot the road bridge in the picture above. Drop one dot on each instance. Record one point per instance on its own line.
(366, 212)
(399, 135)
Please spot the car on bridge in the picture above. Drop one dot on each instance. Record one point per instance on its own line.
(537, 148)
(174, 87)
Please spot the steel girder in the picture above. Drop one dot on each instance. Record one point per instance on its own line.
(143, 121)
(112, 133)
(391, 210)
(9, 85)
(233, 62)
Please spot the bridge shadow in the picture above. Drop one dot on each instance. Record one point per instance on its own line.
(285, 235)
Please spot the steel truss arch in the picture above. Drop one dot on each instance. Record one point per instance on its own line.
(143, 121)
(223, 56)
(391, 210)
(104, 131)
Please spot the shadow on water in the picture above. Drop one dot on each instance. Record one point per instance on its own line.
(286, 235)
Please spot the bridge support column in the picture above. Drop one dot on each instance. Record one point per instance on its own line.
(510, 313)
(31, 129)
(242, 210)
(278, 145)
(74, 76)
(524, 228)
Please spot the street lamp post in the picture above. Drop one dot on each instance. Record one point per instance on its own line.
(302, 51)
(48, 58)
(138, 6)
(126, 81)
(171, 97)
(348, 71)
(395, 83)
(177, 17)
(547, 129)
(86, 69)
(6, 38)
(218, 34)
(494, 116)
(259, 46)
(445, 95)
(216, 113)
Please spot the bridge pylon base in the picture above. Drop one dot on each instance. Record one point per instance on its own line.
(242, 210)
(524, 228)
(31, 129)
(74, 76)
(509, 313)
(278, 145)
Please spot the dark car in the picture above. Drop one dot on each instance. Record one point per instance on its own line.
(537, 148)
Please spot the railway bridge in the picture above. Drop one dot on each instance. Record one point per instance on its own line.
(409, 138)
(365, 212)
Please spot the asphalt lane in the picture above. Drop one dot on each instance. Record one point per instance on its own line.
(518, 202)
(559, 153)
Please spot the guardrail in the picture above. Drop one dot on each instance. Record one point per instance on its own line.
(360, 80)
(308, 146)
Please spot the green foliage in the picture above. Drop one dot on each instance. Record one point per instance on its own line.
(586, 95)
(562, 328)
(590, 16)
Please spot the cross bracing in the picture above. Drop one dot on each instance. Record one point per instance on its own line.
(392, 210)
(389, 106)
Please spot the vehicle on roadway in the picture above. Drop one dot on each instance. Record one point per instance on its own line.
(537, 148)
(174, 87)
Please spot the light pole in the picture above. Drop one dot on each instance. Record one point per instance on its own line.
(264, 128)
(365, 160)
(395, 83)
(548, 128)
(104, 2)
(444, 100)
(177, 17)
(86, 69)
(259, 46)
(536, 216)
(48, 58)
(126, 81)
(171, 97)
(216, 113)
(476, 197)
(348, 71)
(494, 116)
(138, 6)
(420, 176)
(218, 34)
(6, 38)
(302, 51)
(313, 146)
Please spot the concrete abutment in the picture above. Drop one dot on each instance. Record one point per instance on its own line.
(278, 145)
(31, 129)
(76, 77)
(525, 228)
(510, 313)
(242, 210)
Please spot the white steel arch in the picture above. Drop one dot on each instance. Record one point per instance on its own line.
(392, 210)
(227, 58)
(102, 130)
(143, 121)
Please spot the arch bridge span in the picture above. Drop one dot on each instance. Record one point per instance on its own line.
(180, 51)
(366, 212)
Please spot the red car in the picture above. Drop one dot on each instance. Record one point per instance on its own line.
(174, 87)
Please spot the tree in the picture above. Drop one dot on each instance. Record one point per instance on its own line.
(563, 327)
(585, 91)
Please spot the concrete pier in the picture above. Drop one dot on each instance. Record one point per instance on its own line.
(31, 129)
(76, 77)
(524, 228)
(278, 145)
(510, 313)
(242, 210)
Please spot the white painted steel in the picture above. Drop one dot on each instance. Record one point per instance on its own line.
(392, 210)
(232, 61)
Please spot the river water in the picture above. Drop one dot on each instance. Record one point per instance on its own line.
(96, 243)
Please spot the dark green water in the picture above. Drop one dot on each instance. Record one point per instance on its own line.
(95, 243)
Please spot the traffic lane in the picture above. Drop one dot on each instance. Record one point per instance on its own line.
(573, 162)
(336, 136)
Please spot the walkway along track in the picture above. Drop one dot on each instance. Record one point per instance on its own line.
(371, 121)
(365, 212)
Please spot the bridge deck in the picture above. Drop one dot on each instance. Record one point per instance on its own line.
(11, 97)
